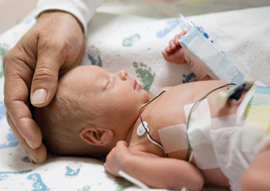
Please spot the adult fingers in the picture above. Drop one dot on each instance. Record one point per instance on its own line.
(45, 79)
(18, 72)
(21, 62)
(37, 155)
(59, 50)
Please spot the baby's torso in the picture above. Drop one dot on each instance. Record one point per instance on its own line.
(165, 118)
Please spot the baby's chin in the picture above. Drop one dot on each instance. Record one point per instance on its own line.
(146, 97)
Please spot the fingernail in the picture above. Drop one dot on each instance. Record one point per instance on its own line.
(30, 144)
(39, 96)
(33, 160)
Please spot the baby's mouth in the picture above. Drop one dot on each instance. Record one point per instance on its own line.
(135, 84)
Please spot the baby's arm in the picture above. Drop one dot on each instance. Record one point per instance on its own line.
(152, 170)
(174, 52)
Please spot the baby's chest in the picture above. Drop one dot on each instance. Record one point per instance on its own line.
(159, 135)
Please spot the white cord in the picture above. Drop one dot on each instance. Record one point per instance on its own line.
(191, 156)
(133, 180)
(156, 143)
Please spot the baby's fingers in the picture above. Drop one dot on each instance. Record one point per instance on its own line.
(182, 33)
(121, 144)
(176, 39)
(172, 44)
(168, 50)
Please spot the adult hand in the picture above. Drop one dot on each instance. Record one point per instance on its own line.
(53, 46)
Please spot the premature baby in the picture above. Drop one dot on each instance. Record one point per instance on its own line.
(96, 112)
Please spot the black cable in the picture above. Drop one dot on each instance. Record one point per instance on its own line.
(142, 119)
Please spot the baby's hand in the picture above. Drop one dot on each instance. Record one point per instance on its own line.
(174, 52)
(115, 159)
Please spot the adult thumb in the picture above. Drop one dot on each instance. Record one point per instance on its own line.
(45, 80)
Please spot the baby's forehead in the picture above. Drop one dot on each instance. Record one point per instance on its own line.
(83, 79)
(84, 73)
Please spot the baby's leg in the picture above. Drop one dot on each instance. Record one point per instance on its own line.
(257, 176)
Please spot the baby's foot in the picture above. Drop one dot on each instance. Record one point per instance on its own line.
(73, 169)
(131, 40)
(37, 182)
(145, 74)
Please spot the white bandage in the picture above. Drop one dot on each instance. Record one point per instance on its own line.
(218, 63)
(199, 134)
(223, 121)
(205, 59)
(174, 138)
(200, 113)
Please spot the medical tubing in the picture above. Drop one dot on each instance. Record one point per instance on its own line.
(157, 145)
(133, 180)
(148, 134)
(195, 104)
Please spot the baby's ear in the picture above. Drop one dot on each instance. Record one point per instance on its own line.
(96, 136)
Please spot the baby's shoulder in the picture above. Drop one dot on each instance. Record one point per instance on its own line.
(163, 89)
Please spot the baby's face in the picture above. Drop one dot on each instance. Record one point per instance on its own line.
(115, 96)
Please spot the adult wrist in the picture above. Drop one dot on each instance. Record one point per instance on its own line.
(58, 13)
(83, 10)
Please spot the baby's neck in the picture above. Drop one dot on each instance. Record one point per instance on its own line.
(130, 132)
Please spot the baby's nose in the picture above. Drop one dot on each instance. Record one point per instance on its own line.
(123, 74)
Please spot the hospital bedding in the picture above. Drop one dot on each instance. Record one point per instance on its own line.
(135, 44)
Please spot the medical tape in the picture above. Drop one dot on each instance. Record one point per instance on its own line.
(199, 132)
(138, 137)
(197, 66)
(174, 138)
(223, 121)
(211, 57)
(214, 58)
(199, 135)
(200, 113)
